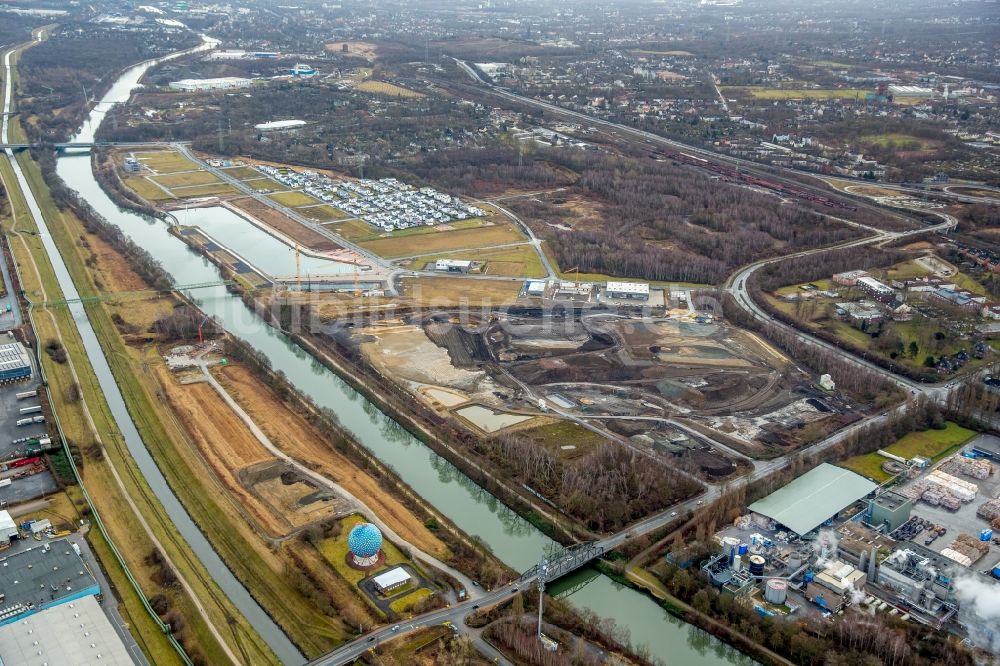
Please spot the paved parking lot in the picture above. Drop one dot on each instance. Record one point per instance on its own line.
(36, 485)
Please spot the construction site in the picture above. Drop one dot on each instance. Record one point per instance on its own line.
(705, 392)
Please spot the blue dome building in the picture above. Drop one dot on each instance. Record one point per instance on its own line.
(364, 541)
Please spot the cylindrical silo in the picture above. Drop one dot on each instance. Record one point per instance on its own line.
(776, 591)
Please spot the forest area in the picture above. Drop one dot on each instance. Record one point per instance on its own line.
(344, 126)
(61, 76)
(658, 221)
(606, 489)
(16, 29)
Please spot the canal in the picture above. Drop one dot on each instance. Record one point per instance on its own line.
(512, 539)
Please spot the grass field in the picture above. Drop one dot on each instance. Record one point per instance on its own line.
(293, 199)
(831, 64)
(166, 161)
(760, 92)
(931, 444)
(243, 172)
(218, 188)
(334, 551)
(895, 139)
(408, 601)
(437, 240)
(441, 291)
(185, 178)
(516, 261)
(147, 190)
(324, 213)
(384, 88)
(564, 433)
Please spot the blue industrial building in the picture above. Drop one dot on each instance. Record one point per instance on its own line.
(42, 577)
(15, 363)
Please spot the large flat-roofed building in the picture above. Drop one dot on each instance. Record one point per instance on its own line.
(42, 577)
(77, 633)
(638, 291)
(987, 446)
(202, 85)
(279, 125)
(889, 509)
(392, 579)
(813, 498)
(876, 290)
(15, 363)
(8, 528)
(453, 265)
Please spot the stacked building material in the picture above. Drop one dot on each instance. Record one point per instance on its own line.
(961, 489)
(932, 496)
(969, 546)
(989, 510)
(951, 503)
(977, 468)
(912, 491)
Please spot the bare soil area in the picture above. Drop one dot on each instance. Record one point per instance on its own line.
(290, 431)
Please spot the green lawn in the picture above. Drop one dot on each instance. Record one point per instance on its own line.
(185, 179)
(322, 213)
(896, 139)
(931, 444)
(516, 261)
(408, 601)
(293, 199)
(165, 161)
(334, 551)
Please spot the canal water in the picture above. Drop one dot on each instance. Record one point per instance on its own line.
(512, 539)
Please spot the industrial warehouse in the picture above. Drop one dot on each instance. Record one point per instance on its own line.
(813, 498)
(15, 364)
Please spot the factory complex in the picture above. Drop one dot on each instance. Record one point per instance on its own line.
(924, 550)
(386, 204)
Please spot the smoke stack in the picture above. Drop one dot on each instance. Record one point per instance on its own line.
(871, 565)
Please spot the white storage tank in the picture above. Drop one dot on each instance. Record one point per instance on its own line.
(776, 591)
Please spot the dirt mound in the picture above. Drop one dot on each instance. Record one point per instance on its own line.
(726, 388)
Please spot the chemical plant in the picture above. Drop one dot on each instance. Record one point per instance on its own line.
(924, 550)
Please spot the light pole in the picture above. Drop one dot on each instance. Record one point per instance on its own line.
(543, 570)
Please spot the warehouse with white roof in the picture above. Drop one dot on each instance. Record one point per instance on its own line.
(638, 291)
